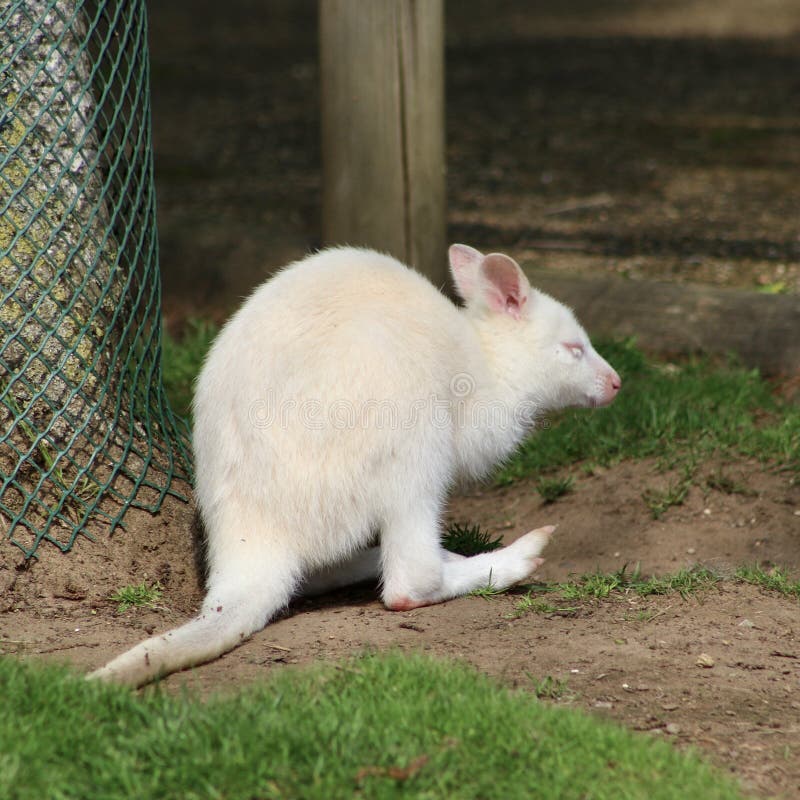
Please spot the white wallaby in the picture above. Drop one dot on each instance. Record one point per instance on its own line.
(340, 403)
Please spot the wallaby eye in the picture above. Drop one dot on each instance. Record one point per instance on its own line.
(575, 349)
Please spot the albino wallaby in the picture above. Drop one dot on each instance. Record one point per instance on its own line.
(341, 402)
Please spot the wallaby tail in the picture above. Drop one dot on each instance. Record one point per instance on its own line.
(225, 621)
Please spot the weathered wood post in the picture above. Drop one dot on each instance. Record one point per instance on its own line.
(383, 173)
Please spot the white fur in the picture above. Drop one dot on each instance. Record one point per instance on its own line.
(341, 402)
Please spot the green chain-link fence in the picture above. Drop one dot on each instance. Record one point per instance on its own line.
(85, 430)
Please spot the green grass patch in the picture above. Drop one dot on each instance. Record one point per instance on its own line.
(681, 414)
(388, 726)
(469, 540)
(143, 595)
(182, 360)
(551, 489)
(775, 580)
(601, 585)
(550, 688)
(685, 582)
(659, 501)
(720, 481)
(489, 591)
(531, 604)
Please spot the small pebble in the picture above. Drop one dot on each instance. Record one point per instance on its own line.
(691, 551)
(746, 623)
(704, 660)
(672, 728)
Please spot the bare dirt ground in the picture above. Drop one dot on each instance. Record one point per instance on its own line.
(653, 139)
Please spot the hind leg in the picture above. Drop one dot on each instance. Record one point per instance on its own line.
(416, 572)
(362, 567)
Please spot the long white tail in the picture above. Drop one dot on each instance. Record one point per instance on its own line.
(226, 619)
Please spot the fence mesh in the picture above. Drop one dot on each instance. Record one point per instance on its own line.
(85, 429)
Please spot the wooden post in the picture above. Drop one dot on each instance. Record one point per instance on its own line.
(383, 174)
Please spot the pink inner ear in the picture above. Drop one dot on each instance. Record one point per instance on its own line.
(465, 261)
(507, 288)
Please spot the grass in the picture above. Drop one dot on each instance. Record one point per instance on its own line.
(774, 580)
(489, 591)
(392, 726)
(659, 501)
(550, 688)
(719, 481)
(182, 361)
(531, 604)
(141, 596)
(469, 540)
(551, 489)
(600, 585)
(685, 582)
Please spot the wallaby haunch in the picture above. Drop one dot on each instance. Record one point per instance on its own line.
(340, 404)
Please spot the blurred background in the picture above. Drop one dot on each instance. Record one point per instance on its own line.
(650, 139)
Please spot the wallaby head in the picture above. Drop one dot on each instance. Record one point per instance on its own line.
(540, 346)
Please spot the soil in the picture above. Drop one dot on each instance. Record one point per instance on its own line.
(649, 139)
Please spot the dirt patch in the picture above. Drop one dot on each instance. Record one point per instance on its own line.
(631, 659)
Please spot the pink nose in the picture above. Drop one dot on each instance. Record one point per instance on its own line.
(613, 385)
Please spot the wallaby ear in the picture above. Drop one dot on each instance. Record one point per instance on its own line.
(465, 262)
(503, 285)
